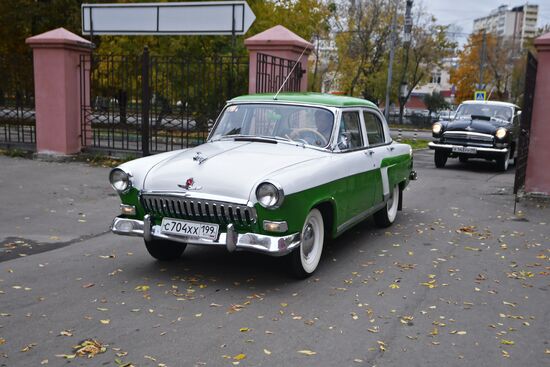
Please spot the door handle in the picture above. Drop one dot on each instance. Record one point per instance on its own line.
(369, 152)
(391, 149)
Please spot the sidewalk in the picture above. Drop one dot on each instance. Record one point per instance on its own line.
(47, 205)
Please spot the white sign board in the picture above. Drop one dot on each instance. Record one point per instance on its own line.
(190, 18)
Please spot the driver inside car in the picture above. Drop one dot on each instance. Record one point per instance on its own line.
(318, 130)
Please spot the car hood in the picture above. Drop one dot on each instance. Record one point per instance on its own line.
(230, 169)
(475, 125)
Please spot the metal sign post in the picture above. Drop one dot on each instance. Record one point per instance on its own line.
(189, 18)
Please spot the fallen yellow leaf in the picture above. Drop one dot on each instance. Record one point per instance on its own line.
(239, 357)
(66, 356)
(307, 352)
(268, 352)
(28, 347)
(105, 322)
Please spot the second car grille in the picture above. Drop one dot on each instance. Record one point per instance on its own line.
(198, 209)
(468, 138)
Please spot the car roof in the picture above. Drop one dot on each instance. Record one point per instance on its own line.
(309, 98)
(495, 103)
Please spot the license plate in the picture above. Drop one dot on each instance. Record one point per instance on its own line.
(190, 229)
(467, 150)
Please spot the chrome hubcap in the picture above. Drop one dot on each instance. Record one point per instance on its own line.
(308, 240)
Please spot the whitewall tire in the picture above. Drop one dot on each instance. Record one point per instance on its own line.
(305, 259)
(386, 216)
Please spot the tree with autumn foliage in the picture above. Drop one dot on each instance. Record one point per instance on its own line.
(428, 49)
(363, 43)
(503, 64)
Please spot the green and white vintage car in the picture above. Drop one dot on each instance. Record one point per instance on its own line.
(276, 175)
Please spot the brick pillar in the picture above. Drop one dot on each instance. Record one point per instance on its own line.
(537, 179)
(280, 42)
(57, 90)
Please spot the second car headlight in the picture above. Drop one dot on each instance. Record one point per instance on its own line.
(120, 180)
(269, 195)
(436, 128)
(501, 133)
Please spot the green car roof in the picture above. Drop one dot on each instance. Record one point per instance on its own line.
(313, 98)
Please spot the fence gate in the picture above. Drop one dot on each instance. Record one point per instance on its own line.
(271, 72)
(17, 115)
(146, 104)
(525, 125)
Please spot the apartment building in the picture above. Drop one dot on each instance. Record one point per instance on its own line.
(517, 23)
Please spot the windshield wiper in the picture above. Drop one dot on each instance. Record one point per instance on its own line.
(260, 139)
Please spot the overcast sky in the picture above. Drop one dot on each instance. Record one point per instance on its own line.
(463, 12)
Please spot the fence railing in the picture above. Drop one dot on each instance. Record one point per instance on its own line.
(17, 116)
(173, 109)
(272, 72)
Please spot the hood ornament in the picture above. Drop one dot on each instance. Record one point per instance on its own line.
(199, 157)
(190, 185)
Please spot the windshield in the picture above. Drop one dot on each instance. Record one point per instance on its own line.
(308, 125)
(498, 112)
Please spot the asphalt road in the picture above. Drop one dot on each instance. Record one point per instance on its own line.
(458, 280)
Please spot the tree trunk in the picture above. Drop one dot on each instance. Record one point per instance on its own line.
(401, 110)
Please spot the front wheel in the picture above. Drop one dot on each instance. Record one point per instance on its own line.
(305, 259)
(386, 216)
(503, 162)
(440, 158)
(165, 250)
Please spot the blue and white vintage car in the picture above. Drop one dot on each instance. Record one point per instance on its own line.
(276, 175)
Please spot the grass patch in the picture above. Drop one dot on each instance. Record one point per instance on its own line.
(102, 160)
(93, 159)
(16, 153)
(409, 127)
(416, 143)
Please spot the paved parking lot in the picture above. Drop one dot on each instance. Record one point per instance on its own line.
(457, 281)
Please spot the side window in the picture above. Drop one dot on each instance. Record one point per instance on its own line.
(349, 134)
(374, 128)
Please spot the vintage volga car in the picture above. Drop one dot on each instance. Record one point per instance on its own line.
(276, 175)
(480, 129)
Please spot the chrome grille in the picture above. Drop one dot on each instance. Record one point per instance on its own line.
(468, 138)
(198, 209)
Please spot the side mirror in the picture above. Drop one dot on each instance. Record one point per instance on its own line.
(518, 113)
(343, 143)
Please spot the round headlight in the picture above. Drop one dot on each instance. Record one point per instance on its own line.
(436, 128)
(269, 196)
(119, 179)
(501, 133)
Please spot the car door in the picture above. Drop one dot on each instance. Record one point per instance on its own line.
(356, 164)
(378, 148)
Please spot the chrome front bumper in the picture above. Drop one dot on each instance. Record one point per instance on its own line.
(433, 145)
(271, 245)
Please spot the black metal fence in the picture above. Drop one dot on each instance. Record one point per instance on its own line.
(525, 125)
(173, 109)
(17, 116)
(271, 72)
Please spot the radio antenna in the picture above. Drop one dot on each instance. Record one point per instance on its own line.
(289, 74)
